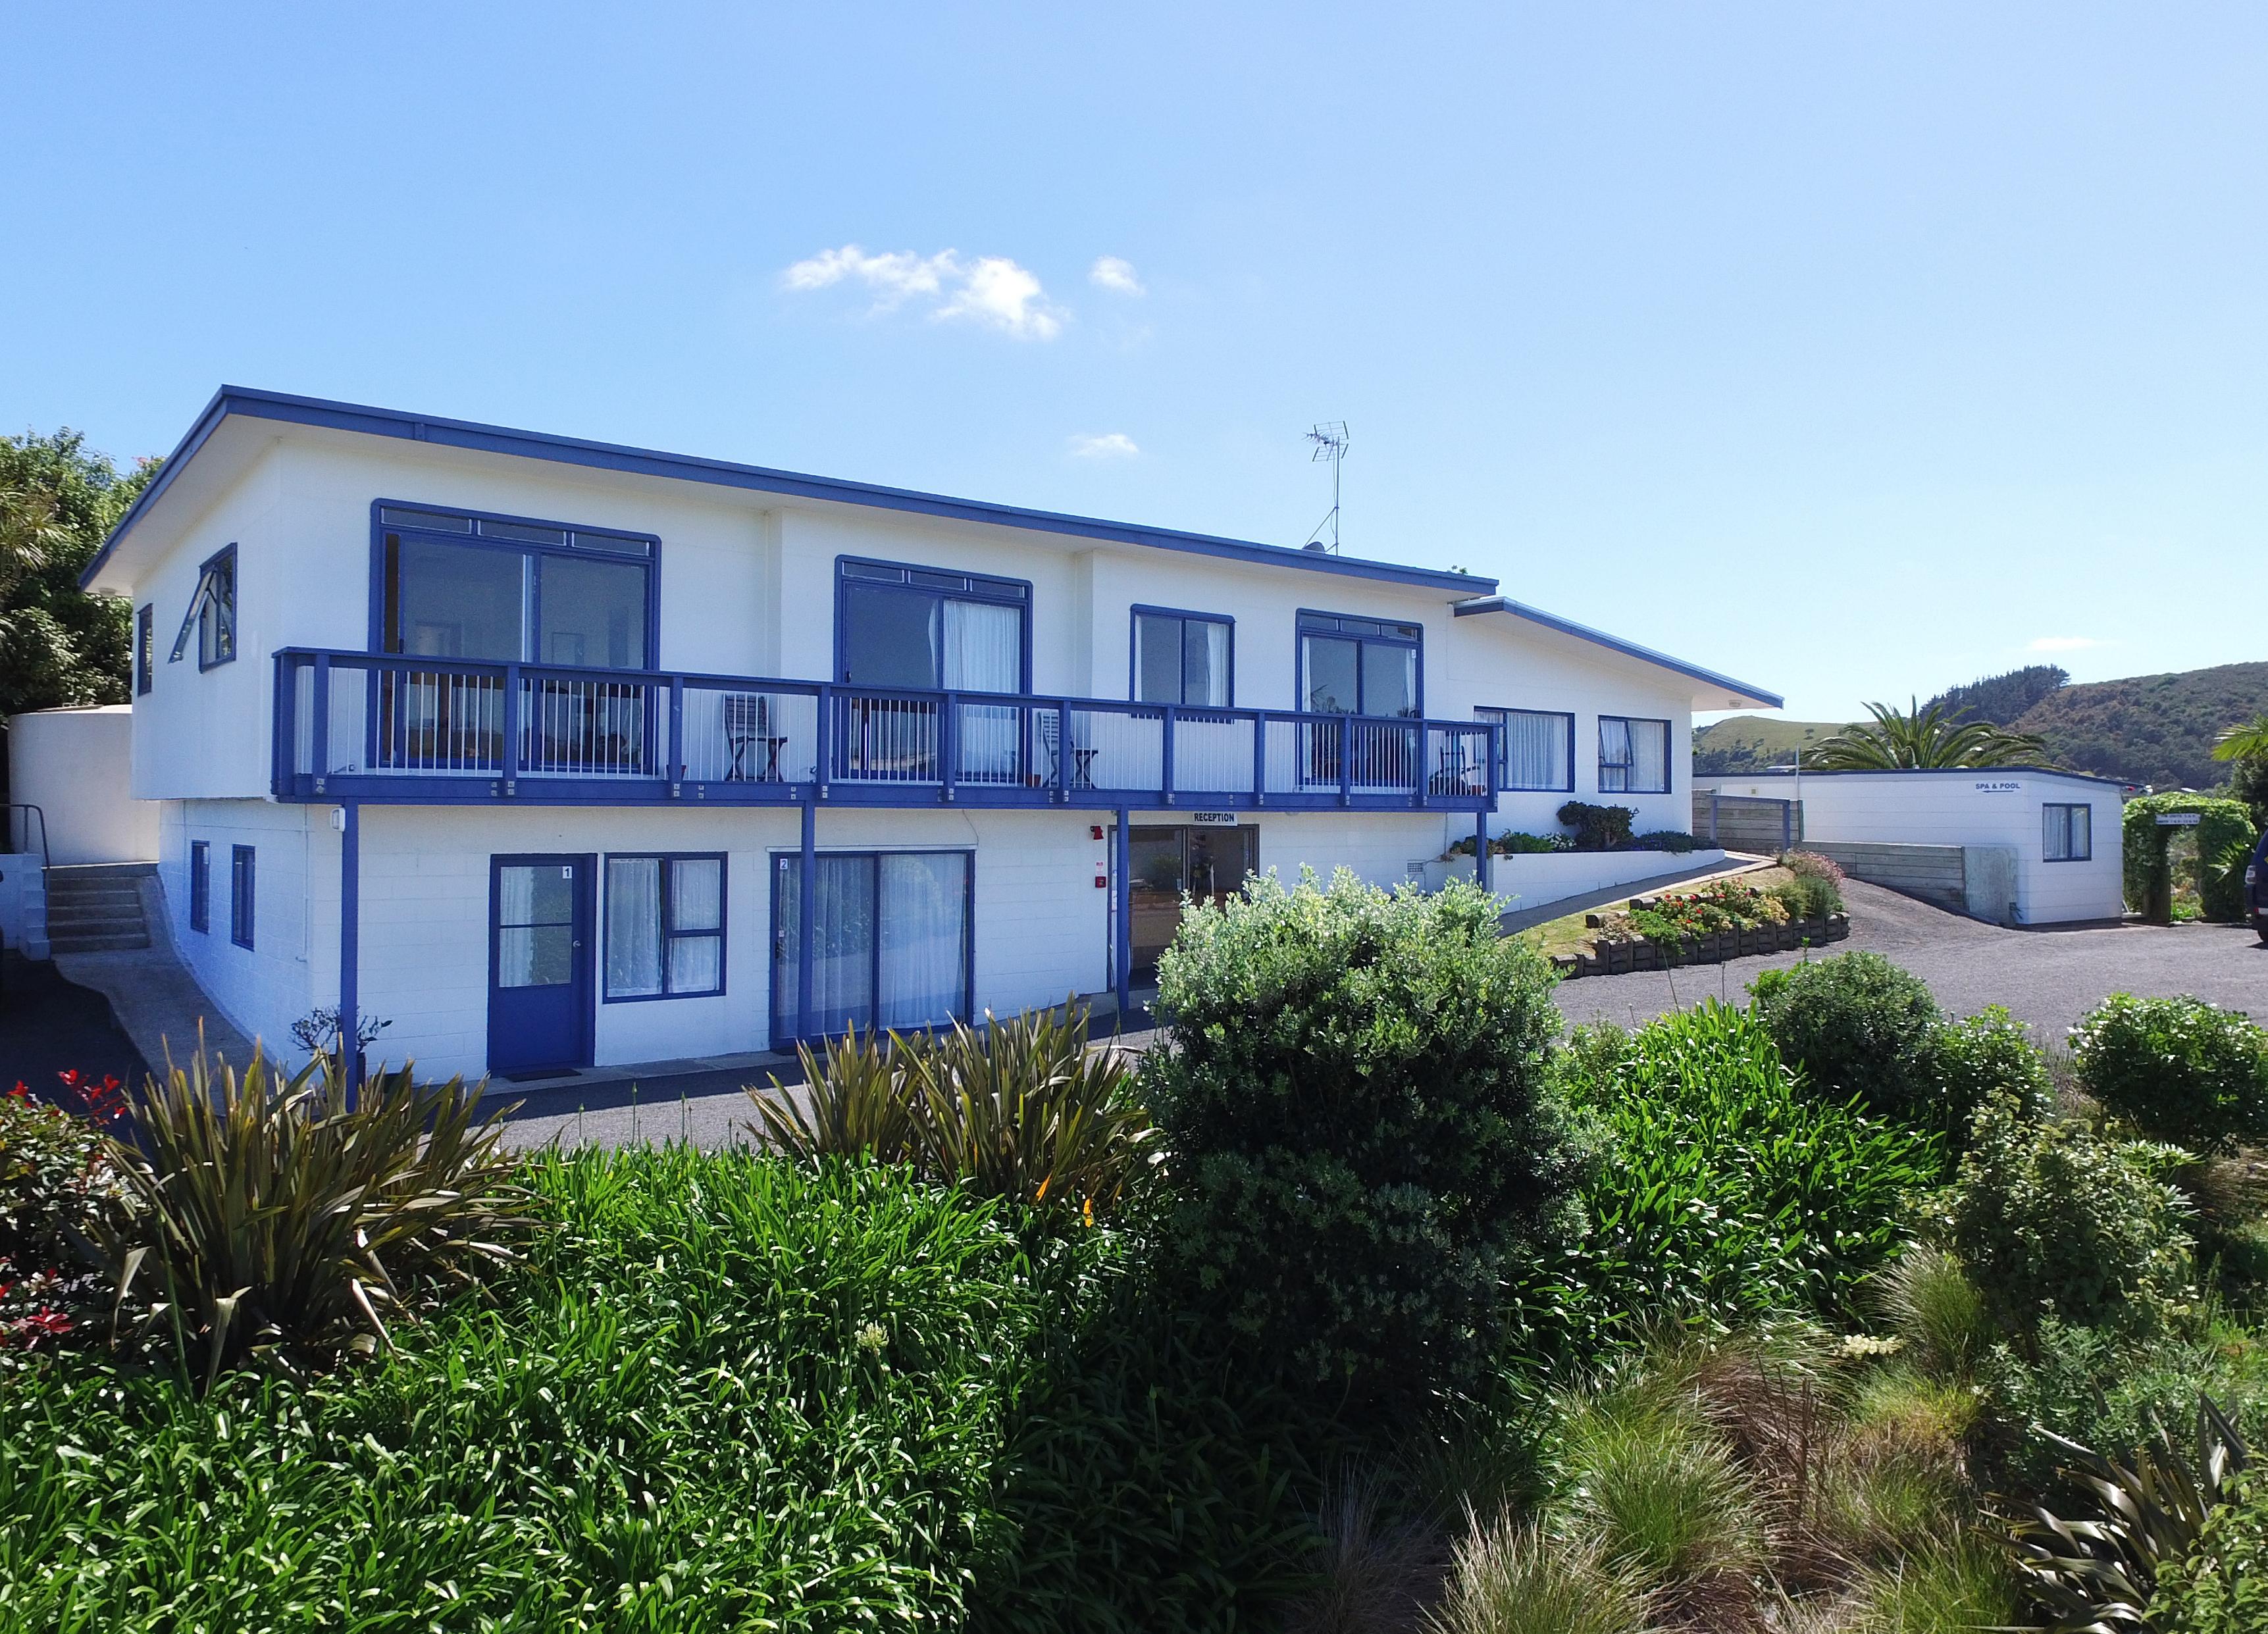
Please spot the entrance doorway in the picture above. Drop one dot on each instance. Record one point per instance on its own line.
(539, 947)
(1166, 863)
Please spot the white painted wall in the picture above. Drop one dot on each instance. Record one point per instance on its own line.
(77, 766)
(1967, 808)
(264, 989)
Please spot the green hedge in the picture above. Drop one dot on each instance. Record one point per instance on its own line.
(2222, 824)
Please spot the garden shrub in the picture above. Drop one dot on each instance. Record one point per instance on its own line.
(56, 1184)
(2048, 1218)
(1517, 843)
(1807, 896)
(1726, 1188)
(2221, 1586)
(1990, 1054)
(1351, 1093)
(2177, 1069)
(1858, 1026)
(1598, 828)
(1673, 840)
(2220, 824)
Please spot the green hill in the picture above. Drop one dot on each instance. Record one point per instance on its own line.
(2153, 728)
(1754, 743)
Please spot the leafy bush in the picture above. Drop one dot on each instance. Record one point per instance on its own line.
(56, 1184)
(1989, 1055)
(1519, 844)
(1809, 896)
(1726, 1187)
(1858, 1026)
(2177, 1069)
(1813, 866)
(1352, 1094)
(273, 1219)
(2220, 824)
(2221, 1586)
(1021, 1109)
(2050, 1219)
(1674, 839)
(1598, 828)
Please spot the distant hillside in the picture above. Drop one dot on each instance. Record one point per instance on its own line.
(2153, 728)
(1754, 743)
(2000, 699)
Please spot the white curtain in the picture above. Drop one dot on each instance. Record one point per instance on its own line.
(925, 936)
(1535, 749)
(1212, 640)
(1649, 750)
(633, 927)
(516, 951)
(984, 653)
(696, 904)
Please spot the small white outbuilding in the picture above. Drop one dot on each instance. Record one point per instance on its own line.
(2016, 844)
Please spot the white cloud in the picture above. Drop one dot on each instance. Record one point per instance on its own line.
(2063, 644)
(1110, 272)
(991, 290)
(1110, 445)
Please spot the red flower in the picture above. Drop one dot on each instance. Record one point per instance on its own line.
(22, 1091)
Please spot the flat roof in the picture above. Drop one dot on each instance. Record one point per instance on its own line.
(1916, 771)
(1506, 605)
(250, 403)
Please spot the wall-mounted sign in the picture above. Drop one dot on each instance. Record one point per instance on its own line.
(1214, 819)
(1999, 786)
(2177, 820)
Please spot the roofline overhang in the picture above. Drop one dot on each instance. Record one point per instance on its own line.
(1700, 777)
(248, 402)
(1505, 604)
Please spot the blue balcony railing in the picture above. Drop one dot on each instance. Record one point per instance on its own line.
(419, 729)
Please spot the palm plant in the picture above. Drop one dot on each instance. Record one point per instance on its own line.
(273, 1218)
(1922, 738)
(2247, 741)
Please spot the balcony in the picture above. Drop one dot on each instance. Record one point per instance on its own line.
(415, 731)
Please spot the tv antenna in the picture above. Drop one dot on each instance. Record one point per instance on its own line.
(1330, 441)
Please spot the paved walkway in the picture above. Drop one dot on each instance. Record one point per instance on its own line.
(156, 1001)
(2046, 977)
(49, 1025)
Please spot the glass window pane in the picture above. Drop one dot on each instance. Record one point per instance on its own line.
(633, 926)
(393, 516)
(593, 612)
(536, 893)
(1204, 663)
(2082, 833)
(889, 637)
(1157, 659)
(524, 533)
(1390, 678)
(457, 602)
(697, 963)
(1331, 684)
(696, 893)
(983, 647)
(536, 956)
(924, 938)
(842, 943)
(1649, 752)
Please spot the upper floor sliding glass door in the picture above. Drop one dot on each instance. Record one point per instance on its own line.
(1361, 667)
(926, 629)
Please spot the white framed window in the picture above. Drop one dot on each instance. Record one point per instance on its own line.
(2070, 836)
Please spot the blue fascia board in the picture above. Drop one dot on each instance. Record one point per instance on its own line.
(298, 789)
(1917, 771)
(371, 422)
(1627, 649)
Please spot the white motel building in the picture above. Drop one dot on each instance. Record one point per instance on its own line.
(558, 754)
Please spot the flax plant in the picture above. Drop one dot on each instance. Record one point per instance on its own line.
(279, 1219)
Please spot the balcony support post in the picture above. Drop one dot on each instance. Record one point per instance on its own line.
(948, 745)
(350, 1038)
(1122, 913)
(508, 757)
(808, 910)
(1166, 759)
(1483, 874)
(1346, 760)
(319, 736)
(1259, 760)
(286, 768)
(673, 774)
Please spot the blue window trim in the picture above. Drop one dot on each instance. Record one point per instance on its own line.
(664, 904)
(784, 1026)
(1300, 631)
(1134, 616)
(1022, 600)
(192, 621)
(146, 636)
(243, 895)
(2066, 808)
(200, 887)
(651, 561)
(1503, 768)
(1667, 752)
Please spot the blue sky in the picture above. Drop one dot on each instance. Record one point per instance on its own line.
(1855, 351)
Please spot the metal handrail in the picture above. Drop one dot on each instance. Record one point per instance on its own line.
(46, 861)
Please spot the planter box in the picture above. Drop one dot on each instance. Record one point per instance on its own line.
(1715, 948)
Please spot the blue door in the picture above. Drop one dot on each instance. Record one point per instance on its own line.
(540, 964)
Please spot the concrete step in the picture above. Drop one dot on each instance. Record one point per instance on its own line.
(127, 903)
(94, 919)
(103, 870)
(105, 942)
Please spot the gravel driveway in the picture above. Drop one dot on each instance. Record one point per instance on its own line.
(2049, 978)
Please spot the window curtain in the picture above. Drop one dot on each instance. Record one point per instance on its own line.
(1204, 663)
(633, 926)
(924, 935)
(983, 652)
(1613, 754)
(696, 905)
(1649, 756)
(1534, 749)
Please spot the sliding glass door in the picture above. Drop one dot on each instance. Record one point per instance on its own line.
(931, 630)
(889, 940)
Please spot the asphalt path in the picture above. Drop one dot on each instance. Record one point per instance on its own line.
(2048, 978)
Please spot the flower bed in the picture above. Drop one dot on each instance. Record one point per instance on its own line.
(1722, 920)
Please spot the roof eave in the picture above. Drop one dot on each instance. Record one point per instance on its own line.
(1747, 693)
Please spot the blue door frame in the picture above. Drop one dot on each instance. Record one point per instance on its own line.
(545, 1023)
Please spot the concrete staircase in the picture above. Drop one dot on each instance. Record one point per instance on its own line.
(96, 908)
